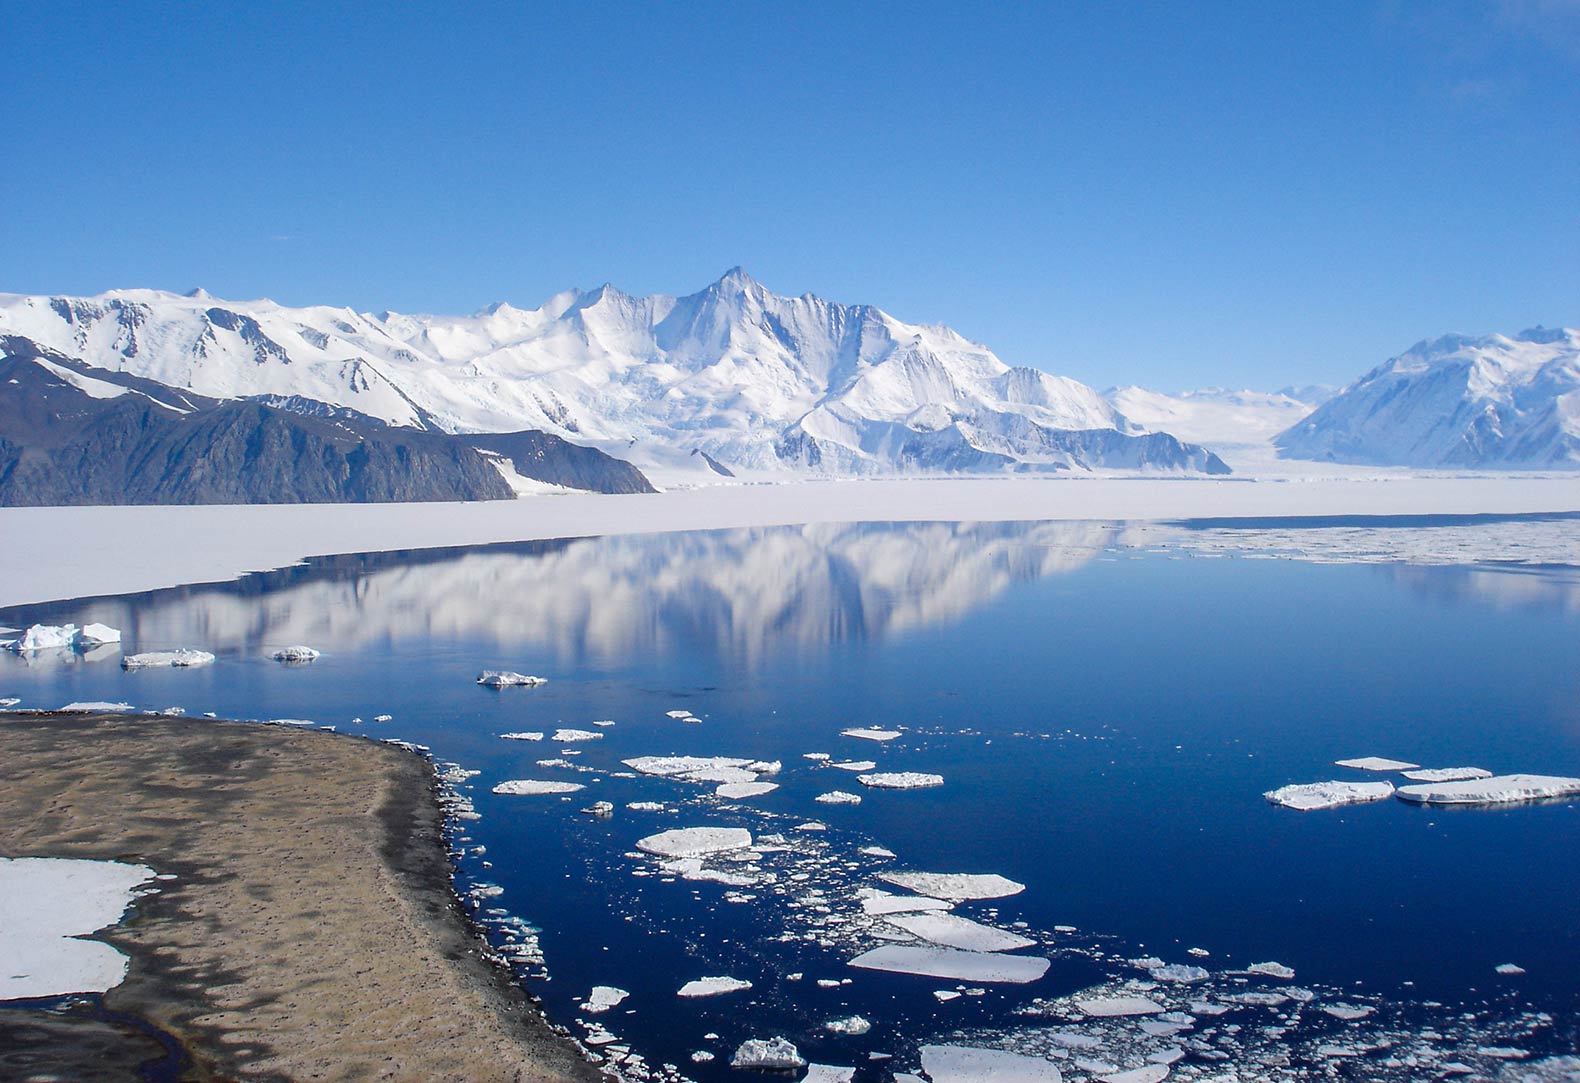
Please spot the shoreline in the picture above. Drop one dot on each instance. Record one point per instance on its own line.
(312, 929)
(92, 552)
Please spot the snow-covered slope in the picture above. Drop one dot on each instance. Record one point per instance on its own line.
(1215, 417)
(753, 379)
(1456, 401)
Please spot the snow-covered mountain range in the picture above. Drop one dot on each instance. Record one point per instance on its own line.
(1456, 401)
(738, 374)
(1217, 417)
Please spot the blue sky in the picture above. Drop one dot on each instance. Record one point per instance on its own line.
(1173, 194)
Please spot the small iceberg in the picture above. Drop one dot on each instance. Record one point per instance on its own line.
(712, 987)
(527, 787)
(1271, 970)
(602, 998)
(505, 678)
(295, 655)
(96, 635)
(1494, 790)
(1307, 796)
(49, 637)
(177, 659)
(695, 841)
(871, 734)
(768, 1055)
(1377, 763)
(568, 736)
(956, 886)
(838, 797)
(1447, 774)
(953, 964)
(900, 780)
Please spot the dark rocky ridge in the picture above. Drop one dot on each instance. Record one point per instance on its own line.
(159, 445)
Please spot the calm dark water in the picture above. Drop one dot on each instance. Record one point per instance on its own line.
(1106, 722)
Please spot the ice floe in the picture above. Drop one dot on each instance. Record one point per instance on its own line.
(701, 769)
(855, 765)
(867, 734)
(568, 736)
(179, 659)
(953, 931)
(95, 707)
(602, 998)
(505, 678)
(9, 701)
(1147, 1073)
(1307, 796)
(712, 987)
(1108, 1007)
(855, 1025)
(879, 903)
(767, 1054)
(828, 1073)
(1509, 969)
(965, 1064)
(734, 791)
(529, 735)
(838, 797)
(46, 905)
(695, 841)
(1494, 790)
(1271, 970)
(953, 964)
(1377, 763)
(957, 886)
(1447, 774)
(526, 787)
(900, 780)
(297, 653)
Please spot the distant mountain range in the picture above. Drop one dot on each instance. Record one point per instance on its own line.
(751, 380)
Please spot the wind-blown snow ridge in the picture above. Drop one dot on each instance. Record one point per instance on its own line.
(743, 375)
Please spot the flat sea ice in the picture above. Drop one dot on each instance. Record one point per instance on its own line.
(1447, 774)
(95, 707)
(571, 736)
(46, 904)
(900, 780)
(532, 735)
(526, 787)
(1495, 790)
(953, 931)
(957, 886)
(964, 1064)
(1377, 763)
(715, 769)
(602, 998)
(1147, 1073)
(953, 964)
(712, 987)
(506, 678)
(827, 1073)
(1271, 970)
(695, 841)
(1112, 1007)
(157, 659)
(1307, 796)
(737, 790)
(902, 904)
(871, 734)
(855, 765)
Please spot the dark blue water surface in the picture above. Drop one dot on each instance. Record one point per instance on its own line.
(1106, 722)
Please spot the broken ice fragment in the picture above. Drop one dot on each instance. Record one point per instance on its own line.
(838, 797)
(1447, 774)
(695, 841)
(564, 736)
(178, 659)
(1319, 795)
(871, 734)
(296, 654)
(737, 790)
(965, 1064)
(712, 987)
(603, 998)
(526, 787)
(1271, 970)
(1108, 1007)
(953, 964)
(900, 780)
(955, 885)
(1377, 763)
(771, 1054)
(1496, 790)
(953, 931)
(533, 735)
(505, 678)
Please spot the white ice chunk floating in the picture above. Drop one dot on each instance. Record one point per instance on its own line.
(867, 734)
(838, 797)
(530, 735)
(966, 1064)
(297, 653)
(877, 851)
(855, 1025)
(1447, 774)
(1307, 796)
(178, 659)
(957, 886)
(1113, 1007)
(737, 790)
(828, 1073)
(855, 765)
(96, 635)
(1509, 969)
(902, 904)
(1147, 1073)
(1180, 972)
(712, 987)
(505, 678)
(1377, 763)
(1496, 790)
(95, 706)
(565, 736)
(900, 780)
(1271, 970)
(46, 904)
(602, 998)
(952, 931)
(678, 714)
(528, 787)
(767, 1054)
(953, 964)
(44, 637)
(695, 841)
(715, 769)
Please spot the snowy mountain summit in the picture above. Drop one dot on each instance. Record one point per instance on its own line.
(1456, 401)
(734, 375)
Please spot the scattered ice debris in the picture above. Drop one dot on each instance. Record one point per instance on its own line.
(531, 735)
(526, 787)
(871, 734)
(770, 1055)
(1308, 796)
(96, 635)
(1447, 774)
(695, 841)
(712, 987)
(295, 654)
(965, 1064)
(952, 931)
(838, 797)
(953, 964)
(1509, 969)
(565, 736)
(855, 1026)
(1377, 763)
(505, 678)
(1494, 790)
(957, 886)
(180, 659)
(877, 851)
(47, 904)
(900, 780)
(1271, 970)
(602, 998)
(879, 903)
(1109, 1007)
(383, 718)
(734, 791)
(855, 765)
(96, 707)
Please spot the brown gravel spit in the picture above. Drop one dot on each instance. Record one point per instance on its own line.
(310, 932)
